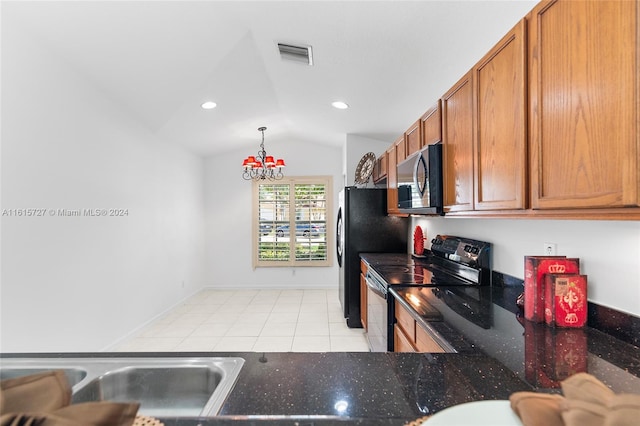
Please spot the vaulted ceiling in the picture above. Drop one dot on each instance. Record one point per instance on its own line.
(389, 60)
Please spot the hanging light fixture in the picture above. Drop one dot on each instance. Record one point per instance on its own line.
(262, 166)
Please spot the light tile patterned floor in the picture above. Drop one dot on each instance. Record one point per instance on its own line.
(252, 320)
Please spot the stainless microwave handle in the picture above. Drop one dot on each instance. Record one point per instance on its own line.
(420, 176)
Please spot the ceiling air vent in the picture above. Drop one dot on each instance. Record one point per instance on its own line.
(290, 52)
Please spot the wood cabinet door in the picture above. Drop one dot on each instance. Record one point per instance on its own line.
(500, 153)
(457, 139)
(392, 181)
(413, 138)
(363, 300)
(583, 89)
(425, 343)
(400, 341)
(405, 321)
(401, 149)
(431, 123)
(382, 166)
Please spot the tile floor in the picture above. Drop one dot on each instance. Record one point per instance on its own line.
(252, 320)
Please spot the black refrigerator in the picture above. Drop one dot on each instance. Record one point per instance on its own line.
(363, 227)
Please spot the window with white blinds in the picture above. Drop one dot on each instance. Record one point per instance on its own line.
(291, 222)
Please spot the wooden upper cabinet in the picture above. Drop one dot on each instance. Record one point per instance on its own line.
(431, 123)
(583, 89)
(401, 150)
(500, 152)
(413, 138)
(457, 138)
(382, 165)
(380, 168)
(392, 182)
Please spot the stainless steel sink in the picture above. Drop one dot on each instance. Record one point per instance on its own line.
(74, 375)
(184, 390)
(165, 387)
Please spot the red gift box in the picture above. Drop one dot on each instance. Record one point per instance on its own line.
(565, 300)
(535, 268)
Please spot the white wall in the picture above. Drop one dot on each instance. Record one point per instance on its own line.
(228, 218)
(609, 251)
(82, 283)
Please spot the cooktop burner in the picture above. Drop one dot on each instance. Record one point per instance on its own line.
(418, 275)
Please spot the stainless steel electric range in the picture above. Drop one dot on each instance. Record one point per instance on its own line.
(452, 262)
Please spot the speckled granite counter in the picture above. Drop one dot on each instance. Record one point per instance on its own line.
(395, 388)
(499, 353)
(354, 388)
(486, 319)
(539, 355)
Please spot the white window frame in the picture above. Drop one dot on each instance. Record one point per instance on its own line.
(329, 227)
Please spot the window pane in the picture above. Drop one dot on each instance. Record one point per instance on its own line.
(311, 229)
(273, 220)
(291, 222)
(273, 251)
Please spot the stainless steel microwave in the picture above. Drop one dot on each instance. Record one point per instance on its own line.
(420, 182)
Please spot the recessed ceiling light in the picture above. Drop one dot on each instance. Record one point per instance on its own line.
(208, 105)
(340, 105)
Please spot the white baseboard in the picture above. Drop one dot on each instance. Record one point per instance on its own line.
(136, 330)
(253, 286)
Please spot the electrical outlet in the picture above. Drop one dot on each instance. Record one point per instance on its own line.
(550, 249)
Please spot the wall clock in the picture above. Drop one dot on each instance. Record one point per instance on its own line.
(365, 168)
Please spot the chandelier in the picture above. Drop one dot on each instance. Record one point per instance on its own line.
(262, 166)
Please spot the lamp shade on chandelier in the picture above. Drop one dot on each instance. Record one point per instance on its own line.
(262, 166)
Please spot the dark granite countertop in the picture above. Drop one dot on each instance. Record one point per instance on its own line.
(539, 355)
(486, 319)
(396, 388)
(498, 353)
(338, 388)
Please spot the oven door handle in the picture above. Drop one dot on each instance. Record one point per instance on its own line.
(376, 288)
